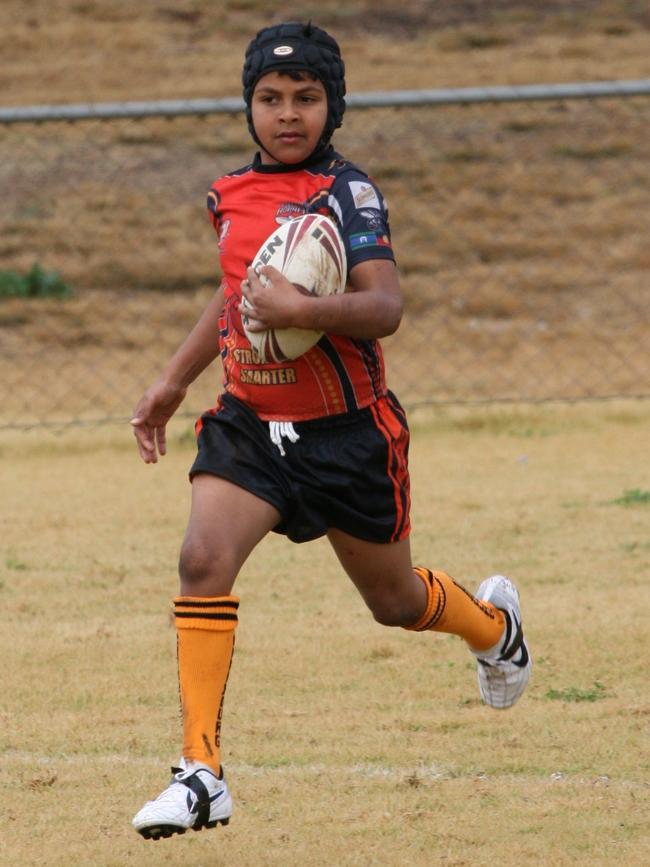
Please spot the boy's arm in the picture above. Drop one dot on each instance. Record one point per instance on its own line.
(161, 400)
(370, 308)
(372, 304)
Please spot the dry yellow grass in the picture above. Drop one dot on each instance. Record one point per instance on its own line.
(521, 245)
(520, 230)
(69, 51)
(345, 742)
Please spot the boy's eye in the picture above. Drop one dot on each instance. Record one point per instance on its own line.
(275, 99)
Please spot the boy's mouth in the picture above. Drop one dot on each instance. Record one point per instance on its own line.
(290, 137)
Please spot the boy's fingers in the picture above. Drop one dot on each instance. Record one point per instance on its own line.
(252, 322)
(145, 443)
(141, 432)
(148, 455)
(161, 440)
(260, 278)
(270, 271)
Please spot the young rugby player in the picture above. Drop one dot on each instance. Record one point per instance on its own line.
(315, 446)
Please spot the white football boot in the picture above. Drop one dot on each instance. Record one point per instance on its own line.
(504, 671)
(196, 798)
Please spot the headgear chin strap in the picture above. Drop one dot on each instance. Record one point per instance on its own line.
(297, 47)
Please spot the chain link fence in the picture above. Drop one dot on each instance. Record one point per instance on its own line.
(521, 231)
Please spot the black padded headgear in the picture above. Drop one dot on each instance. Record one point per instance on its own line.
(297, 47)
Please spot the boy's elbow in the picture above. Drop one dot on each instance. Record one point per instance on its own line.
(394, 315)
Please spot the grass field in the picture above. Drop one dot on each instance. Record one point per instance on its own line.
(522, 238)
(346, 743)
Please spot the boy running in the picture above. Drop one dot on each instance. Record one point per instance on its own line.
(310, 447)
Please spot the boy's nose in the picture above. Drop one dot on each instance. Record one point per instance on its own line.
(288, 111)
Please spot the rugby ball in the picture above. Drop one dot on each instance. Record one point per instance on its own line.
(310, 253)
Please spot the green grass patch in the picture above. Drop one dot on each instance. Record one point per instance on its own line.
(15, 564)
(574, 694)
(635, 547)
(37, 283)
(633, 497)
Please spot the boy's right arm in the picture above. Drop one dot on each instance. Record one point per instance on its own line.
(161, 400)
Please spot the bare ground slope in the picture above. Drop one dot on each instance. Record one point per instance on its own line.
(521, 231)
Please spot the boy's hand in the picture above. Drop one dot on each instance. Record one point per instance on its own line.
(154, 409)
(274, 302)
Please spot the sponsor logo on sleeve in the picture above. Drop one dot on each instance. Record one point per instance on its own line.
(364, 195)
(369, 239)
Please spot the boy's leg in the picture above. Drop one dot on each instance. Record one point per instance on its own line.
(420, 599)
(397, 595)
(226, 522)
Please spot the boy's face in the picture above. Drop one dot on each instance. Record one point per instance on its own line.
(289, 116)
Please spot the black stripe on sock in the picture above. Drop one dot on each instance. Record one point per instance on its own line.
(217, 731)
(440, 607)
(488, 610)
(227, 603)
(205, 615)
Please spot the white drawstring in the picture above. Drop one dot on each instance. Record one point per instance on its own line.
(279, 429)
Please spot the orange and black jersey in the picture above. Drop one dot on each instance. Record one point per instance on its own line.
(339, 374)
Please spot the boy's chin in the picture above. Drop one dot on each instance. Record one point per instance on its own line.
(283, 159)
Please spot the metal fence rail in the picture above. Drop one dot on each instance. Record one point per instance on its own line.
(371, 99)
(520, 219)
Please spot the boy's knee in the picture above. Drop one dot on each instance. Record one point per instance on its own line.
(204, 572)
(391, 612)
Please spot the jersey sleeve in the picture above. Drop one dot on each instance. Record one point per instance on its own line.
(362, 217)
(213, 202)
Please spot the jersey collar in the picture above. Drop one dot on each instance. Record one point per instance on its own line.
(274, 168)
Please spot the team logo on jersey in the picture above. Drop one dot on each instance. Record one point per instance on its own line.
(364, 195)
(223, 233)
(374, 219)
(283, 50)
(289, 211)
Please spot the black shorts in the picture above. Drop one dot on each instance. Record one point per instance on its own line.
(347, 471)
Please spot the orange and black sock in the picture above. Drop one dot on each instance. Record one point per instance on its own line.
(205, 629)
(451, 608)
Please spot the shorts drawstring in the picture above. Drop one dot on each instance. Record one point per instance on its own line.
(280, 429)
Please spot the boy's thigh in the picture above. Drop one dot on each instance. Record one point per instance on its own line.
(375, 568)
(226, 522)
(383, 575)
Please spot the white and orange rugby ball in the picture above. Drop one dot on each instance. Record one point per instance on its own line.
(310, 253)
